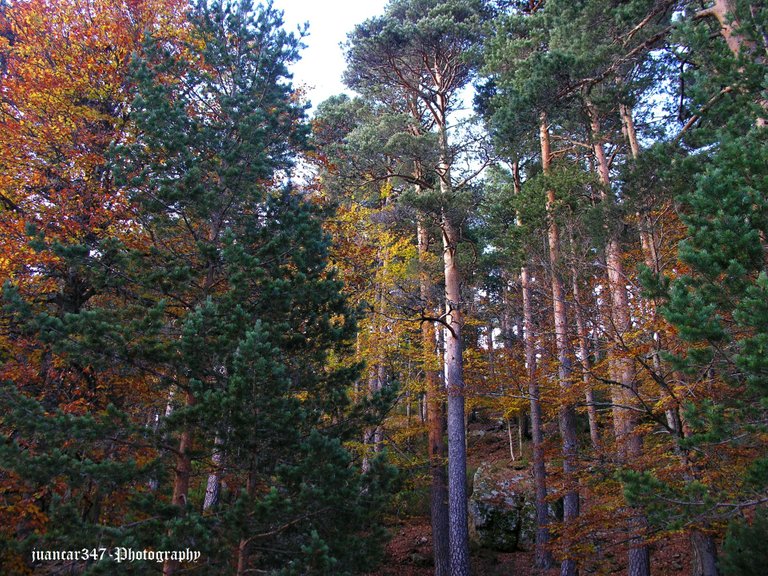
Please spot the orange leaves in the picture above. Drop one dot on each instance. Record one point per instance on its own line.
(64, 99)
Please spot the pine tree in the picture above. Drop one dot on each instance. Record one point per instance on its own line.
(420, 49)
(716, 304)
(218, 304)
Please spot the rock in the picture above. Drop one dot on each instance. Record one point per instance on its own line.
(502, 512)
(419, 559)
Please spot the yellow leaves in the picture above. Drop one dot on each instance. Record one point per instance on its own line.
(367, 253)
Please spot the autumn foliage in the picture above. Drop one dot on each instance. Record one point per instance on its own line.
(202, 346)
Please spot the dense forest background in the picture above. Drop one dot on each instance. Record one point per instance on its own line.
(229, 328)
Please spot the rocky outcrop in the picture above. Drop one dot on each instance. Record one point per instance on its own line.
(501, 509)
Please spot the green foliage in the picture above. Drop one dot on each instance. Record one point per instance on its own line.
(718, 308)
(217, 302)
(420, 35)
(744, 551)
(666, 506)
(365, 144)
(723, 303)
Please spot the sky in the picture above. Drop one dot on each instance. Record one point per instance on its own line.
(322, 62)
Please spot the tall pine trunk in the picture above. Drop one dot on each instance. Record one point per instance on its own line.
(454, 369)
(543, 555)
(586, 364)
(624, 393)
(544, 558)
(435, 419)
(704, 550)
(567, 414)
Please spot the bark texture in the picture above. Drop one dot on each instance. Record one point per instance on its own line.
(586, 364)
(624, 393)
(704, 559)
(435, 420)
(454, 369)
(544, 558)
(543, 555)
(213, 487)
(567, 414)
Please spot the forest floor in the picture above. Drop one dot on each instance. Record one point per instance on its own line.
(409, 551)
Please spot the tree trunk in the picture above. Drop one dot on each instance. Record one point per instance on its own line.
(544, 558)
(624, 394)
(153, 482)
(454, 369)
(704, 559)
(511, 440)
(243, 553)
(723, 12)
(377, 371)
(739, 45)
(651, 258)
(543, 555)
(182, 473)
(586, 364)
(567, 414)
(454, 372)
(213, 487)
(435, 418)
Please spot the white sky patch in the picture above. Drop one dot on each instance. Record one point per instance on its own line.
(322, 61)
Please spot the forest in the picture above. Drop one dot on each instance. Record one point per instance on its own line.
(502, 311)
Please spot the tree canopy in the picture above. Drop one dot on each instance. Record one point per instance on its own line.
(278, 342)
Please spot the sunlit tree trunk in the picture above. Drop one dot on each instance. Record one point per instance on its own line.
(567, 415)
(454, 369)
(624, 391)
(435, 416)
(724, 11)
